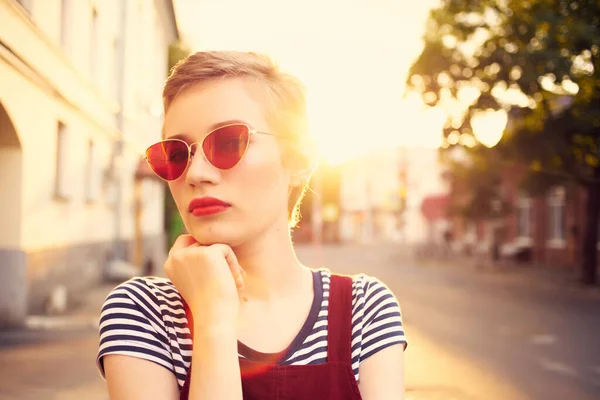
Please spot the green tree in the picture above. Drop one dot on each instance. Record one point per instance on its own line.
(177, 52)
(476, 186)
(539, 61)
(173, 223)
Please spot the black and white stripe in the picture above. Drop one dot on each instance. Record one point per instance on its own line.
(144, 317)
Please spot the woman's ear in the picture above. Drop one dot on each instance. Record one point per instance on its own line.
(303, 161)
(300, 177)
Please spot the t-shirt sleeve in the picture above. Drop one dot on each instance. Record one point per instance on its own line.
(382, 323)
(131, 324)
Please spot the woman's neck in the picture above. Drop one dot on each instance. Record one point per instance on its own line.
(271, 265)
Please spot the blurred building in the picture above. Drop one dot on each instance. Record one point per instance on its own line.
(367, 189)
(381, 195)
(546, 230)
(425, 220)
(80, 85)
(435, 225)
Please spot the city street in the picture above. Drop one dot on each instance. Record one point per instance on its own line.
(484, 334)
(452, 147)
(472, 335)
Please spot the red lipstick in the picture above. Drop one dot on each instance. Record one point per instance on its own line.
(202, 206)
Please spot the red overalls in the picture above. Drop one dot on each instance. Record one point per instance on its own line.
(333, 380)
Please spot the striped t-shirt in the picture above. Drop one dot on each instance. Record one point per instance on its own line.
(144, 317)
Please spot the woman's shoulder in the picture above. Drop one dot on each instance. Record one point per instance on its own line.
(144, 317)
(147, 293)
(376, 316)
(152, 287)
(363, 284)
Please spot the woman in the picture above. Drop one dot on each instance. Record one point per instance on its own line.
(237, 159)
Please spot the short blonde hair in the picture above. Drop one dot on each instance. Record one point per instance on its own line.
(285, 104)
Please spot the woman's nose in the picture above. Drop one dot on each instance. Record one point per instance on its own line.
(201, 171)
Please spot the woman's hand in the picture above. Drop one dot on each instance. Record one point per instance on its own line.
(208, 278)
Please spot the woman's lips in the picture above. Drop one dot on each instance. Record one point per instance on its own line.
(201, 211)
(202, 206)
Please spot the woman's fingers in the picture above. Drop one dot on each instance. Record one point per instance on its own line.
(182, 242)
(237, 271)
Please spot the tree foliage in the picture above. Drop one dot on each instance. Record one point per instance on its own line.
(478, 171)
(177, 51)
(539, 62)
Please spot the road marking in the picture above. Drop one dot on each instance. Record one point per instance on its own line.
(543, 339)
(558, 367)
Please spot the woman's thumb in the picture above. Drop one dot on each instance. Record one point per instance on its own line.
(237, 271)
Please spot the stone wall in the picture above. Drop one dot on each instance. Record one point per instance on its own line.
(82, 266)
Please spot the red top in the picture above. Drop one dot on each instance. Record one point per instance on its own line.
(331, 380)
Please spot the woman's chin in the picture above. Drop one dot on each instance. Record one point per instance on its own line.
(207, 238)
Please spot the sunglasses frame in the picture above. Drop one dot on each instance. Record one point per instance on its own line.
(251, 132)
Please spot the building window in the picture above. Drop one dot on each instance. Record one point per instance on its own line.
(65, 25)
(556, 216)
(61, 186)
(524, 217)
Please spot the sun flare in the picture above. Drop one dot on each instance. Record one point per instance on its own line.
(354, 67)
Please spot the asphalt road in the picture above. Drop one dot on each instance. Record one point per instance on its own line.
(524, 341)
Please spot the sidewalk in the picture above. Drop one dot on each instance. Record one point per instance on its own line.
(81, 317)
(53, 357)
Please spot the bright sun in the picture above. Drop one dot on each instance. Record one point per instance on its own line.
(354, 67)
(344, 130)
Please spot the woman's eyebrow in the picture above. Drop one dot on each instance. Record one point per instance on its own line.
(182, 136)
(227, 122)
(187, 137)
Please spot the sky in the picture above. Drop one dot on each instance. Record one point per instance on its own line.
(353, 56)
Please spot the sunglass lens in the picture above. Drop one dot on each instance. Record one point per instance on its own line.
(226, 146)
(168, 159)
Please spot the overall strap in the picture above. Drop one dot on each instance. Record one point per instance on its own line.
(185, 390)
(339, 319)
